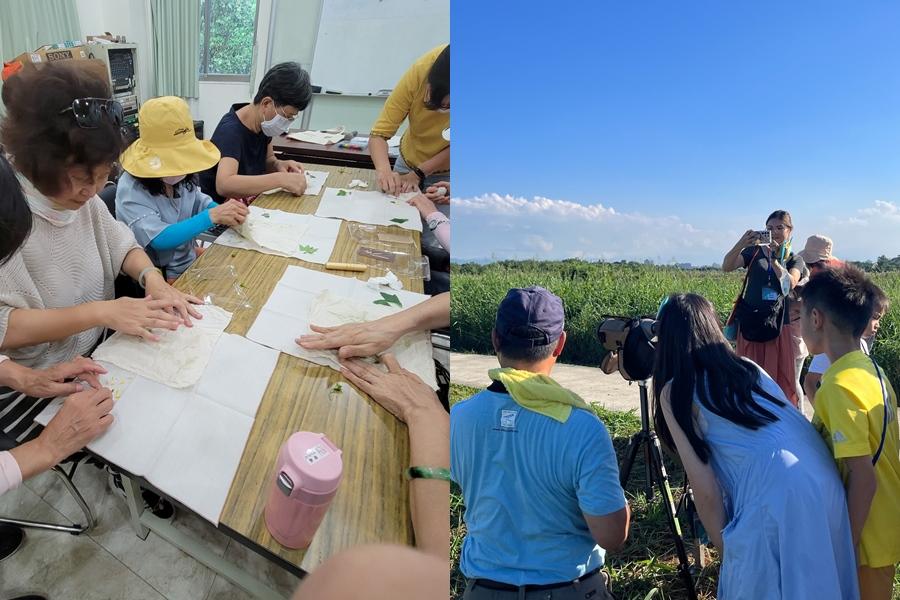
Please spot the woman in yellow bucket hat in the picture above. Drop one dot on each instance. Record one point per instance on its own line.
(159, 197)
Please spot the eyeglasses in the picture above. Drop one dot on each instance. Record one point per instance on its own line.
(89, 112)
(284, 114)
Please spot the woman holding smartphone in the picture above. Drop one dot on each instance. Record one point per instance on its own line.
(764, 333)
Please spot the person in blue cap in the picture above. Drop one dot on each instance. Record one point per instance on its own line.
(536, 467)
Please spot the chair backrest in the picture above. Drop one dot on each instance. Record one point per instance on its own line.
(108, 195)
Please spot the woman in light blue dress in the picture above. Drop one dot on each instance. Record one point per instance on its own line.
(766, 488)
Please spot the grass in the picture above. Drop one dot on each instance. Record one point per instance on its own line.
(592, 290)
(648, 561)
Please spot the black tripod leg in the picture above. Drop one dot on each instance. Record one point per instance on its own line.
(648, 470)
(662, 476)
(634, 444)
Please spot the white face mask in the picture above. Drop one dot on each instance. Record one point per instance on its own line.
(277, 125)
(173, 180)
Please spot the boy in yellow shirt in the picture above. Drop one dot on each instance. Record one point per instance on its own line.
(856, 413)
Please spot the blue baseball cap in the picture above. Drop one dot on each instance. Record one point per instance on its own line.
(530, 317)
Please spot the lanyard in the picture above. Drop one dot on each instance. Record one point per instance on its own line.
(887, 407)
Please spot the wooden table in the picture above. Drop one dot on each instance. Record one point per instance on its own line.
(289, 149)
(372, 503)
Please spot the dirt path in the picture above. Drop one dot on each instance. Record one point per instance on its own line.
(609, 391)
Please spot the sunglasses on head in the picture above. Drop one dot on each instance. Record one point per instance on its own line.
(91, 112)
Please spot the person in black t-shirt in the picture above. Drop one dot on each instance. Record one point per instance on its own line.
(773, 273)
(244, 137)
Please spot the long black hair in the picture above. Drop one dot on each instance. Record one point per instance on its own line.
(15, 215)
(693, 354)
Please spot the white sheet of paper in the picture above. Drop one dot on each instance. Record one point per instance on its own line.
(303, 296)
(283, 233)
(316, 137)
(314, 182)
(187, 442)
(364, 206)
(178, 358)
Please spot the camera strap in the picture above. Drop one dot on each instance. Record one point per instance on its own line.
(747, 276)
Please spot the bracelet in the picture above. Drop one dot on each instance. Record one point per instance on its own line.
(428, 473)
(143, 275)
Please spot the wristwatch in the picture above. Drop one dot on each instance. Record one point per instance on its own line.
(421, 175)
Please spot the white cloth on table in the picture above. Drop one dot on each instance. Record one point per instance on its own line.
(178, 359)
(303, 297)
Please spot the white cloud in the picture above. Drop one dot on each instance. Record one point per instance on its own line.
(495, 226)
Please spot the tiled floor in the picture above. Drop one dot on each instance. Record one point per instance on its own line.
(111, 562)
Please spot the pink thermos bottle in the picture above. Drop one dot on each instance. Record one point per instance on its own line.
(306, 479)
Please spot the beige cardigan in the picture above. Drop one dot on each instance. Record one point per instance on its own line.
(60, 266)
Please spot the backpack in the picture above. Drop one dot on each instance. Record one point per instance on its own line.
(762, 324)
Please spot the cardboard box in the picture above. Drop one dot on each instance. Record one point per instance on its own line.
(42, 55)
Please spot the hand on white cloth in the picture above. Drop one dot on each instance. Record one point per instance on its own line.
(173, 300)
(400, 392)
(352, 339)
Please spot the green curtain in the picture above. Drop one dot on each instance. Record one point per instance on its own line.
(176, 44)
(27, 25)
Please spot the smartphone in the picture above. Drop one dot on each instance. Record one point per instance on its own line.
(763, 237)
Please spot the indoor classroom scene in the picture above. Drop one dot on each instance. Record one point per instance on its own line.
(224, 299)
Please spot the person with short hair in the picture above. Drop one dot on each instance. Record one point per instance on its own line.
(765, 487)
(856, 415)
(422, 97)
(248, 166)
(820, 362)
(422, 100)
(536, 467)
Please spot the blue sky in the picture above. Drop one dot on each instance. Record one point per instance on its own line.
(663, 130)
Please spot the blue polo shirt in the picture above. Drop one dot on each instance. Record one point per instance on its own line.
(527, 481)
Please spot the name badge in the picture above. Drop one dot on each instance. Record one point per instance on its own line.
(769, 295)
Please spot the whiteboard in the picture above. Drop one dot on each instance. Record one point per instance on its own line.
(367, 45)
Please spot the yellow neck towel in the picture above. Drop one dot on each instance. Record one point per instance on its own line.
(539, 393)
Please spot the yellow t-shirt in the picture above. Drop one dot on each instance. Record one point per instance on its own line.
(850, 416)
(424, 136)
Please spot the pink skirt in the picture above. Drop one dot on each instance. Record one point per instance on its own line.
(776, 357)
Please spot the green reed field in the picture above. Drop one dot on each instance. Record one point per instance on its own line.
(590, 290)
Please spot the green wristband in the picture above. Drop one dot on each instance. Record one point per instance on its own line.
(428, 473)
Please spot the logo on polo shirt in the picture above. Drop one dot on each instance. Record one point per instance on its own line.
(508, 419)
(838, 437)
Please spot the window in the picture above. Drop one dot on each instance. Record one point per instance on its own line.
(227, 35)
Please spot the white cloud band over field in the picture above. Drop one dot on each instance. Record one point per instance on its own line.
(493, 227)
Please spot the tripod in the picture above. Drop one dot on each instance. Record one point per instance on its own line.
(656, 473)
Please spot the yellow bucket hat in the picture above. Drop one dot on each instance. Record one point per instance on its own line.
(167, 146)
